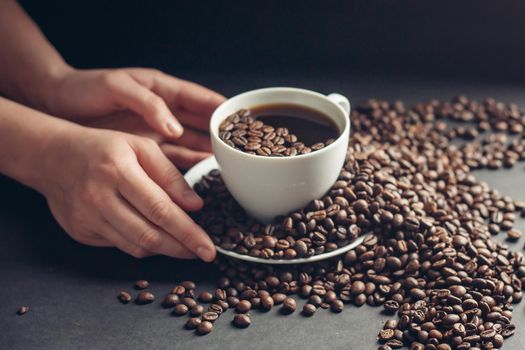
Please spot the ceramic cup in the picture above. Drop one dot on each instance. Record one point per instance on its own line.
(270, 186)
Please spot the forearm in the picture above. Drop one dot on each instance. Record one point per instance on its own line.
(29, 65)
(26, 136)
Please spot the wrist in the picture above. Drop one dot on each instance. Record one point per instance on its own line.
(49, 86)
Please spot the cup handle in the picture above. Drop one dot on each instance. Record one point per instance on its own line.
(341, 101)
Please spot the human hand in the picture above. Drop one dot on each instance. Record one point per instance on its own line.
(184, 152)
(167, 104)
(117, 189)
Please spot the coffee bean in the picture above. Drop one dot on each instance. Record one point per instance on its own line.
(170, 300)
(124, 297)
(289, 306)
(141, 284)
(514, 235)
(189, 302)
(337, 306)
(243, 306)
(210, 316)
(204, 327)
(206, 297)
(22, 310)
(144, 298)
(309, 309)
(180, 309)
(196, 310)
(267, 303)
(216, 308)
(278, 298)
(242, 321)
(192, 323)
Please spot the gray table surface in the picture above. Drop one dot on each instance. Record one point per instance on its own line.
(71, 288)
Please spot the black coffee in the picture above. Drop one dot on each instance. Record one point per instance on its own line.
(309, 125)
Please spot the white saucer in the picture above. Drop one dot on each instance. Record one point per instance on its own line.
(204, 167)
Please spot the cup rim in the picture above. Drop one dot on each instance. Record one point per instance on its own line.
(339, 139)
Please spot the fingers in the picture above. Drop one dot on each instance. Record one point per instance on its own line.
(182, 157)
(198, 99)
(129, 94)
(164, 174)
(195, 140)
(200, 122)
(157, 207)
(133, 234)
(178, 93)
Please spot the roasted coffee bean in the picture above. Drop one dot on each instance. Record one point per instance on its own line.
(210, 316)
(192, 323)
(145, 298)
(337, 306)
(514, 235)
(206, 297)
(216, 308)
(141, 284)
(204, 327)
(22, 310)
(289, 305)
(189, 302)
(278, 298)
(243, 306)
(309, 309)
(180, 309)
(170, 300)
(197, 310)
(124, 297)
(267, 303)
(242, 321)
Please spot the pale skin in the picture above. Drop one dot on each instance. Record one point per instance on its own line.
(109, 188)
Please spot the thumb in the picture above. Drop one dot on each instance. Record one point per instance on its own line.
(129, 94)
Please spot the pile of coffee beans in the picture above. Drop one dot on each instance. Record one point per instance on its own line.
(323, 226)
(244, 132)
(428, 256)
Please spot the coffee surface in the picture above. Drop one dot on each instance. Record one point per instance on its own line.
(309, 125)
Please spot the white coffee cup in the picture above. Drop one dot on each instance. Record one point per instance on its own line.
(270, 186)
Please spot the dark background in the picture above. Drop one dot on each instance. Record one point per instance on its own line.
(409, 50)
(467, 40)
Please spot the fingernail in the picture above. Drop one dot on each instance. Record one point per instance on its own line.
(175, 129)
(205, 253)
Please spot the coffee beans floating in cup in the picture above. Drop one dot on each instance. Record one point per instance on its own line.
(278, 130)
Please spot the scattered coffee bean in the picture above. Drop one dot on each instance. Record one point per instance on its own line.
(243, 306)
(514, 235)
(170, 300)
(180, 309)
(242, 321)
(197, 310)
(141, 284)
(124, 297)
(289, 306)
(210, 316)
(22, 310)
(309, 310)
(206, 297)
(145, 298)
(204, 327)
(192, 323)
